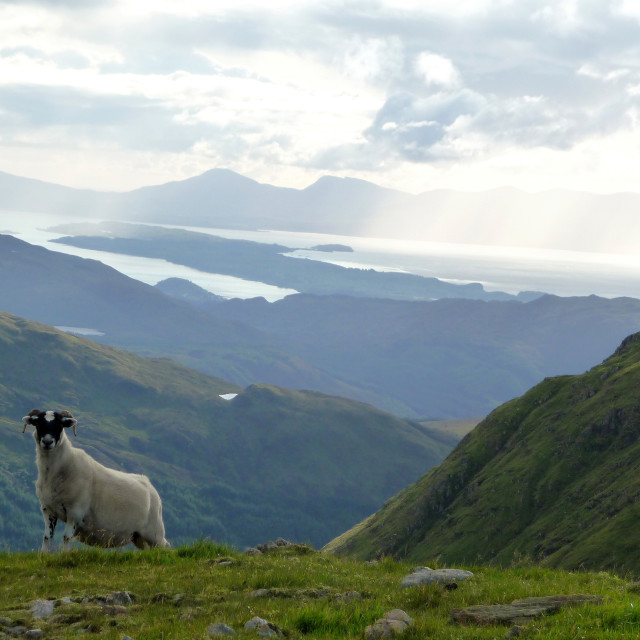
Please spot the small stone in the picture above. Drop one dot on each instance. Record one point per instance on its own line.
(42, 608)
(16, 631)
(399, 614)
(254, 623)
(281, 542)
(384, 629)
(264, 628)
(127, 638)
(34, 633)
(122, 598)
(220, 629)
(514, 632)
(394, 623)
(252, 551)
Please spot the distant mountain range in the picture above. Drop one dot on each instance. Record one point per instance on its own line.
(222, 198)
(551, 477)
(270, 462)
(442, 359)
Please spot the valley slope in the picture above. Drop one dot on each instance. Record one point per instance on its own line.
(271, 462)
(551, 477)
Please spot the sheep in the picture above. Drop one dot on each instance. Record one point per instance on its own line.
(100, 506)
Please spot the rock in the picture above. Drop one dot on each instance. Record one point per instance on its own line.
(424, 575)
(394, 623)
(34, 633)
(122, 598)
(252, 551)
(514, 632)
(264, 628)
(254, 623)
(281, 542)
(520, 610)
(127, 638)
(499, 614)
(399, 614)
(6, 622)
(18, 630)
(42, 608)
(220, 629)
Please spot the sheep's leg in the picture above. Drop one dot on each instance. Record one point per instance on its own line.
(68, 535)
(50, 522)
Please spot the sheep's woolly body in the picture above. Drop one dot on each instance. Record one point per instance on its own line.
(99, 506)
(108, 507)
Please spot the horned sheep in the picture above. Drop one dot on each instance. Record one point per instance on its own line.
(99, 506)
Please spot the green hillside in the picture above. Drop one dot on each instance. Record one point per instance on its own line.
(271, 462)
(552, 476)
(182, 593)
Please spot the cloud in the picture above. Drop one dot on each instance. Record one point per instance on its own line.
(436, 70)
(302, 86)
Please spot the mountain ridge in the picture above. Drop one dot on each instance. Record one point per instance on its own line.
(558, 219)
(549, 476)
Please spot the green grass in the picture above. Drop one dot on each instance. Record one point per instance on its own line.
(179, 593)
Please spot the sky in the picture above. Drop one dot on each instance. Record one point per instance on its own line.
(409, 94)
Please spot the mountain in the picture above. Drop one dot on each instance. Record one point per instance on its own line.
(550, 476)
(221, 198)
(445, 358)
(441, 359)
(270, 462)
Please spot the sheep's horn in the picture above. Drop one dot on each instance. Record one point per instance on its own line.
(67, 414)
(25, 420)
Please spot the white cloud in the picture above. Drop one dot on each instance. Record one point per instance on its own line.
(436, 70)
(372, 89)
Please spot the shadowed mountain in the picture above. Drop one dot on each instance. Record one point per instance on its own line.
(441, 359)
(271, 462)
(550, 476)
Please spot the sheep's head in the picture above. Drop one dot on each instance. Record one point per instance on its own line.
(49, 426)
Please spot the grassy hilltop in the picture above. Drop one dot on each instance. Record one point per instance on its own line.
(179, 593)
(552, 475)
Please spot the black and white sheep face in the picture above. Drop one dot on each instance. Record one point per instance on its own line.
(49, 427)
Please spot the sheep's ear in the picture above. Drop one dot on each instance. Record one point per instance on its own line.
(68, 421)
(28, 419)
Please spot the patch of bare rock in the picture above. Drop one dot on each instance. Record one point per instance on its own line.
(520, 611)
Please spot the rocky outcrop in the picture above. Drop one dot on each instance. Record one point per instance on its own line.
(521, 610)
(424, 575)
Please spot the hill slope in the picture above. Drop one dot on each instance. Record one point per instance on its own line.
(551, 475)
(271, 462)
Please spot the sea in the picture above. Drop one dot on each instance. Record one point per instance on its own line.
(497, 268)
